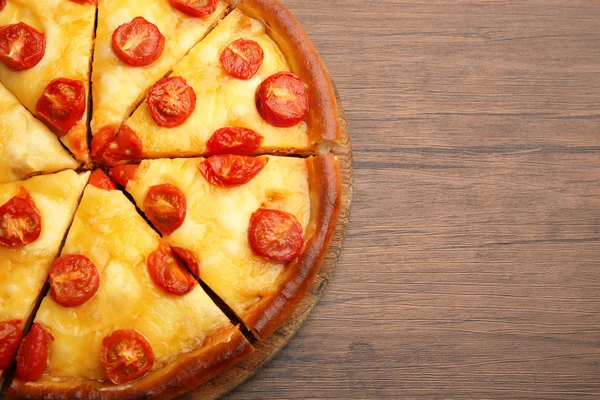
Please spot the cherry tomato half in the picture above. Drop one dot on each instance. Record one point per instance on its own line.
(33, 356)
(282, 100)
(101, 140)
(239, 141)
(275, 235)
(195, 8)
(21, 46)
(74, 279)
(242, 59)
(2, 5)
(165, 206)
(229, 170)
(101, 181)
(189, 258)
(171, 101)
(168, 272)
(63, 103)
(138, 43)
(20, 221)
(122, 174)
(125, 356)
(126, 147)
(10, 339)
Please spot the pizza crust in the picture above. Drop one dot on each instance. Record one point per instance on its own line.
(326, 194)
(305, 62)
(221, 351)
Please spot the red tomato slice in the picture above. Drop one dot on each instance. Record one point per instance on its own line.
(74, 279)
(189, 258)
(165, 206)
(239, 141)
(126, 147)
(168, 272)
(21, 46)
(63, 103)
(282, 100)
(2, 5)
(138, 43)
(33, 356)
(101, 181)
(230, 170)
(195, 8)
(122, 174)
(10, 339)
(242, 59)
(275, 235)
(125, 356)
(20, 221)
(171, 101)
(101, 140)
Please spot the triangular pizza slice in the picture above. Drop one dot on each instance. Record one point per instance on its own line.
(26, 145)
(45, 55)
(254, 85)
(138, 43)
(34, 217)
(255, 230)
(123, 318)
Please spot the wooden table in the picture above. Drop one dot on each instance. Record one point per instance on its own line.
(471, 268)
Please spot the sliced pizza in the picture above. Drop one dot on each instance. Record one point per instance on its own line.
(254, 85)
(123, 318)
(138, 43)
(255, 230)
(27, 147)
(34, 217)
(45, 55)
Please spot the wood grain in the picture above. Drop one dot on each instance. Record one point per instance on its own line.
(471, 268)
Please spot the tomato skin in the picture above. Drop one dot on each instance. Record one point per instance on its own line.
(149, 48)
(122, 174)
(94, 2)
(242, 58)
(101, 140)
(168, 272)
(126, 356)
(126, 147)
(33, 355)
(195, 11)
(2, 5)
(171, 101)
(30, 44)
(275, 235)
(63, 104)
(165, 206)
(282, 100)
(238, 141)
(189, 259)
(101, 181)
(74, 279)
(20, 221)
(10, 339)
(229, 170)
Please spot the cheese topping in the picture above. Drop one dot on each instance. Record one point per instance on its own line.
(109, 231)
(23, 270)
(217, 222)
(222, 100)
(117, 87)
(26, 145)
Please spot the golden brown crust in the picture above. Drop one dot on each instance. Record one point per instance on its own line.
(326, 193)
(224, 349)
(304, 61)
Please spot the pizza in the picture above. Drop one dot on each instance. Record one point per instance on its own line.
(27, 146)
(168, 190)
(34, 216)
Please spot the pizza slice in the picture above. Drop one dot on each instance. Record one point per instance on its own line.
(123, 318)
(138, 43)
(34, 217)
(254, 85)
(27, 147)
(45, 54)
(255, 230)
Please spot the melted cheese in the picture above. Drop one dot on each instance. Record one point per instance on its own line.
(26, 145)
(117, 87)
(68, 27)
(23, 270)
(217, 221)
(110, 232)
(221, 99)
